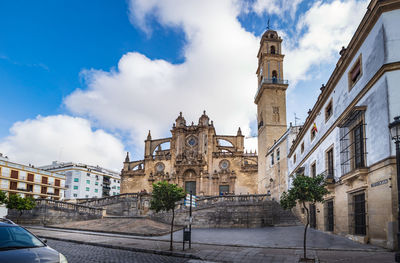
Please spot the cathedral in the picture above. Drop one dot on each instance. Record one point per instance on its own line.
(198, 160)
(205, 163)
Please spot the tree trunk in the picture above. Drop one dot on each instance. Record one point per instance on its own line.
(172, 230)
(305, 229)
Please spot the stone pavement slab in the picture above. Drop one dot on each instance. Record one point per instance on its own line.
(272, 237)
(215, 252)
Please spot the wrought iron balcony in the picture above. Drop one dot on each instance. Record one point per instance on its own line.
(274, 81)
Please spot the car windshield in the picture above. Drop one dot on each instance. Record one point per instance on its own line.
(15, 237)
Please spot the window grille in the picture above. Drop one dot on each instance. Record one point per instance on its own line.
(352, 142)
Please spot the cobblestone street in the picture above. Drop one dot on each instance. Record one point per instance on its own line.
(80, 253)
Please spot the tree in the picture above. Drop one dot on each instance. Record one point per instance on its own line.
(164, 198)
(20, 203)
(3, 198)
(304, 189)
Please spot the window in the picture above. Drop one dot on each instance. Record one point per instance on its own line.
(278, 154)
(44, 180)
(352, 141)
(97, 183)
(272, 158)
(313, 169)
(14, 174)
(43, 190)
(30, 177)
(87, 189)
(118, 188)
(29, 187)
(272, 49)
(96, 190)
(358, 146)
(313, 132)
(13, 185)
(75, 187)
(302, 147)
(88, 181)
(329, 159)
(76, 179)
(355, 73)
(294, 158)
(114, 187)
(57, 182)
(88, 174)
(75, 195)
(328, 111)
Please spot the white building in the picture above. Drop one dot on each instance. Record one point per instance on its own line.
(346, 135)
(86, 181)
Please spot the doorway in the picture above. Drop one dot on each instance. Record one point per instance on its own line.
(190, 187)
(313, 216)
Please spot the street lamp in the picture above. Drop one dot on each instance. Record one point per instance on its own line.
(395, 133)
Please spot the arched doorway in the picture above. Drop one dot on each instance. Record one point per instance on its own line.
(190, 181)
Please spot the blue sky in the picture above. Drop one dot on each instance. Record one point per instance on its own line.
(85, 81)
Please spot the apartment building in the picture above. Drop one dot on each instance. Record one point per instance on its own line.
(26, 180)
(86, 181)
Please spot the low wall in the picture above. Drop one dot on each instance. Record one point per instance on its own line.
(233, 211)
(48, 212)
(130, 204)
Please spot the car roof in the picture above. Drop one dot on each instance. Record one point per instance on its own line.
(6, 222)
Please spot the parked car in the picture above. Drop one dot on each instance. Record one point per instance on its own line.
(18, 245)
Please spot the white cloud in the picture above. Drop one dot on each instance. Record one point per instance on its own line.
(218, 72)
(218, 75)
(328, 27)
(45, 139)
(278, 7)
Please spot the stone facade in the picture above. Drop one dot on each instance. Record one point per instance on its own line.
(198, 160)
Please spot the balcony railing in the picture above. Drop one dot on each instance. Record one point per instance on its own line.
(274, 81)
(271, 81)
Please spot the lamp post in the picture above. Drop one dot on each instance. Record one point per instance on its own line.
(395, 134)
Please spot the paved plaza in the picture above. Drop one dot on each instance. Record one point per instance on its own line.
(274, 244)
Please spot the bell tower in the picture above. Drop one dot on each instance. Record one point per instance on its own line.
(270, 99)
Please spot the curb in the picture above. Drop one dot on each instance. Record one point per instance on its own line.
(113, 232)
(134, 249)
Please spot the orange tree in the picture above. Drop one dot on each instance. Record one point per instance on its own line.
(164, 198)
(304, 190)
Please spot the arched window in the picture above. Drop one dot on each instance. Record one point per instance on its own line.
(271, 36)
(272, 49)
(274, 76)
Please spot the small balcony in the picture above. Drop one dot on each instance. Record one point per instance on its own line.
(274, 81)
